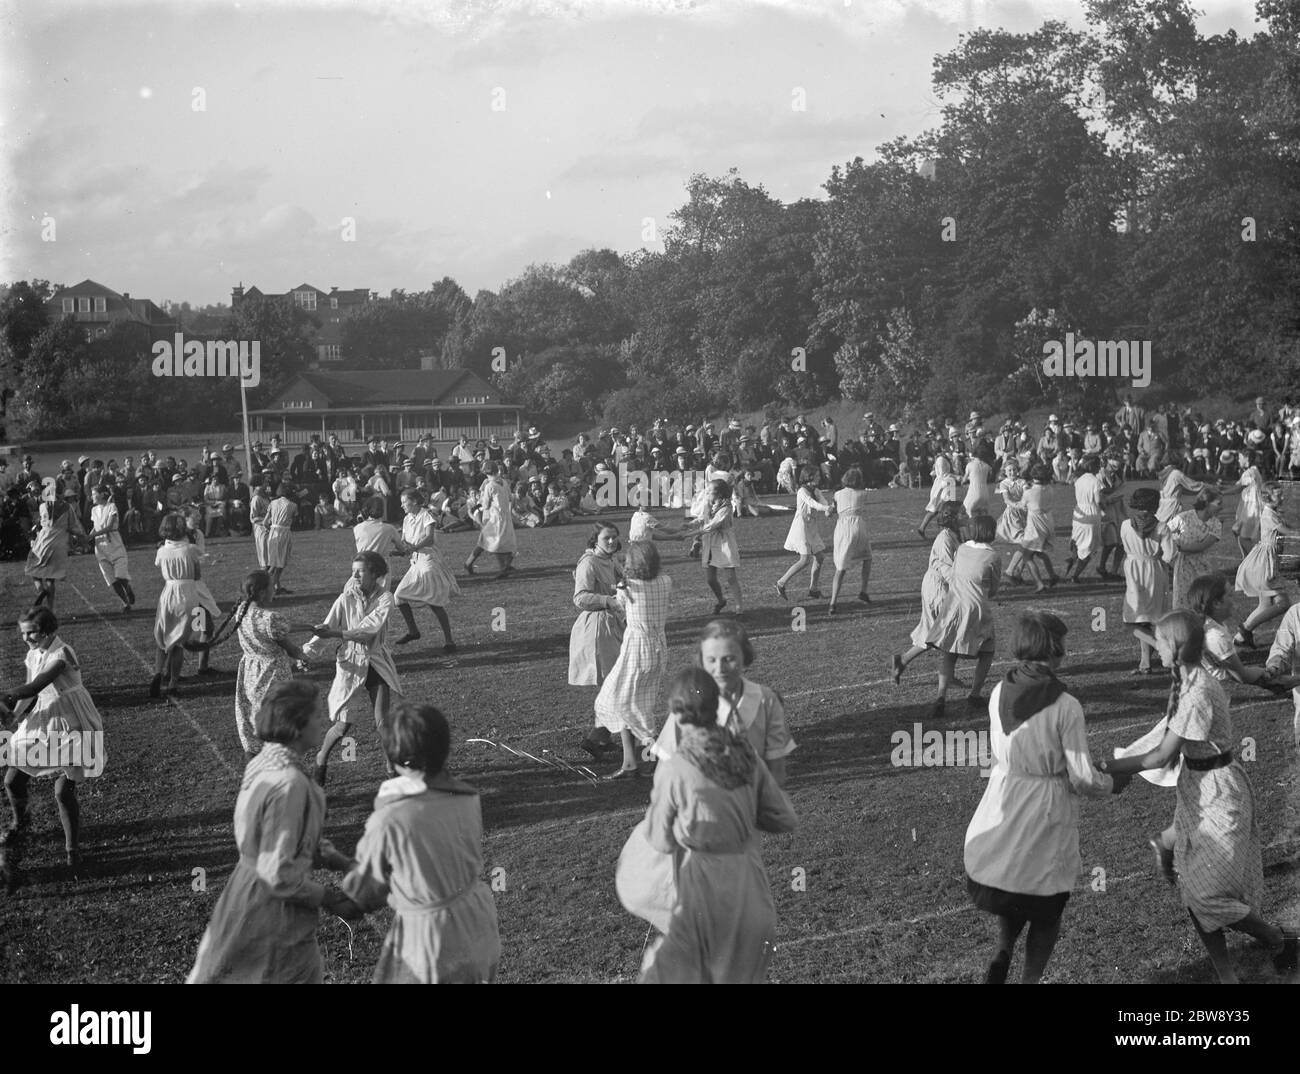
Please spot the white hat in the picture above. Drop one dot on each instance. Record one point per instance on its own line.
(974, 414)
(1256, 436)
(1052, 417)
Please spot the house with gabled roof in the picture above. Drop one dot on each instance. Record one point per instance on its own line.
(96, 309)
(396, 404)
(331, 308)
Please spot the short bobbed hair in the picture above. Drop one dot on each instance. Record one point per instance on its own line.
(852, 478)
(983, 528)
(286, 710)
(1039, 636)
(42, 619)
(172, 527)
(731, 630)
(642, 561)
(416, 736)
(377, 564)
(693, 698)
(375, 508)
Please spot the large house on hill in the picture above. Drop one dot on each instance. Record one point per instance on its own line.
(331, 308)
(398, 404)
(97, 309)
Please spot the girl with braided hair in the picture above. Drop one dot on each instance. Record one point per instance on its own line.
(1216, 845)
(264, 637)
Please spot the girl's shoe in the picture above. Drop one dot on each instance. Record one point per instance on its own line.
(864, 598)
(280, 591)
(1245, 637)
(624, 773)
(1143, 671)
(831, 609)
(155, 686)
(998, 968)
(469, 566)
(937, 710)
(780, 591)
(318, 775)
(408, 637)
(814, 594)
(717, 608)
(1164, 860)
(897, 663)
(449, 648)
(975, 701)
(506, 573)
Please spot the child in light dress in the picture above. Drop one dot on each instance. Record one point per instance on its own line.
(186, 611)
(805, 539)
(934, 585)
(60, 734)
(942, 491)
(372, 533)
(851, 543)
(645, 527)
(422, 854)
(263, 928)
(1011, 523)
(428, 580)
(1258, 576)
(1250, 508)
(718, 548)
(110, 552)
(1039, 524)
(1146, 577)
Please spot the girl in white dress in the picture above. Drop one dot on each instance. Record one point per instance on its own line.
(1146, 578)
(1258, 574)
(47, 562)
(1172, 482)
(979, 472)
(427, 580)
(1022, 846)
(626, 702)
(1246, 524)
(942, 491)
(718, 548)
(934, 585)
(61, 735)
(805, 539)
(1011, 523)
(851, 543)
(1085, 524)
(110, 552)
(257, 508)
(495, 522)
(1039, 524)
(279, 534)
(372, 533)
(186, 608)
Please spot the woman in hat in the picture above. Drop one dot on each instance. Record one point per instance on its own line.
(1146, 578)
(47, 562)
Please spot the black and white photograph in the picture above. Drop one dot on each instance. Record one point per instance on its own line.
(651, 491)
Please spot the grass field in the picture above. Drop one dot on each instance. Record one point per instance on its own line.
(879, 846)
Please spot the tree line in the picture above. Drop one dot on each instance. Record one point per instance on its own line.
(1133, 179)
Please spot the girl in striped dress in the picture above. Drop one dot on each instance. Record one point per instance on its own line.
(626, 702)
(427, 580)
(1217, 849)
(257, 508)
(719, 550)
(1258, 574)
(804, 539)
(279, 534)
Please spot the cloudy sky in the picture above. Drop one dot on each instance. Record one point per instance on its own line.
(467, 138)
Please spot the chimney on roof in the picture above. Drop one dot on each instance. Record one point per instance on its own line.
(126, 295)
(236, 293)
(427, 361)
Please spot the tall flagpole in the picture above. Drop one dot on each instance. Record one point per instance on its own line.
(248, 440)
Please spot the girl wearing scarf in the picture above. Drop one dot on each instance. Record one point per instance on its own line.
(710, 800)
(1022, 846)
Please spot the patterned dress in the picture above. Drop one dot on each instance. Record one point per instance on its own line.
(427, 580)
(1216, 839)
(263, 664)
(1189, 528)
(62, 734)
(263, 928)
(627, 696)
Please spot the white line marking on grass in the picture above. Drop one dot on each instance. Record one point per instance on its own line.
(234, 773)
